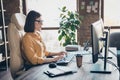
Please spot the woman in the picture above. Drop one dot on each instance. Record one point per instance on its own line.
(33, 47)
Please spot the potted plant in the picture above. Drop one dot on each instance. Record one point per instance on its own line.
(69, 23)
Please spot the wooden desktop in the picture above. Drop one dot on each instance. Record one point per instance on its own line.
(83, 73)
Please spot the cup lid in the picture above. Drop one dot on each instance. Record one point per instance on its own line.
(78, 55)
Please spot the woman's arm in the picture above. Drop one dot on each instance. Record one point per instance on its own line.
(29, 52)
(32, 56)
(47, 60)
(57, 53)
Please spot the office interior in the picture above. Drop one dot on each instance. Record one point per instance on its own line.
(90, 10)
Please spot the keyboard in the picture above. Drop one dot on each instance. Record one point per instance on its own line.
(84, 52)
(65, 60)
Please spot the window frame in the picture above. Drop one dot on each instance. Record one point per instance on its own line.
(50, 27)
(102, 16)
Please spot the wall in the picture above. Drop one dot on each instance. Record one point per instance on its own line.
(11, 7)
(14, 6)
(89, 15)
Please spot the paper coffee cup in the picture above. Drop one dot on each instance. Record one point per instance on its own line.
(79, 60)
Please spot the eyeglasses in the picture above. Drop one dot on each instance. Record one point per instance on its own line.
(40, 21)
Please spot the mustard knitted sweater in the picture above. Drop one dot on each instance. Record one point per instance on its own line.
(33, 48)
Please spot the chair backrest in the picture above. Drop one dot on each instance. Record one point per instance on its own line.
(15, 34)
(115, 40)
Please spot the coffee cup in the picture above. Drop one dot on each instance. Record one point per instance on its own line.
(79, 60)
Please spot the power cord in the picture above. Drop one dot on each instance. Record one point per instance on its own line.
(112, 52)
(119, 74)
(113, 64)
(110, 62)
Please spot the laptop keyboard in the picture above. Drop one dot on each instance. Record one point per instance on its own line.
(65, 60)
(84, 52)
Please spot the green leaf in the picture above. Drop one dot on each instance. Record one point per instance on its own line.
(71, 15)
(64, 9)
(61, 15)
(60, 37)
(73, 28)
(68, 13)
(59, 31)
(77, 22)
(70, 22)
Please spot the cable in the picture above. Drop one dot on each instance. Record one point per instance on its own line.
(113, 64)
(119, 74)
(110, 62)
(112, 52)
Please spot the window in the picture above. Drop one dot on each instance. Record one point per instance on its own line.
(50, 39)
(50, 14)
(49, 9)
(111, 12)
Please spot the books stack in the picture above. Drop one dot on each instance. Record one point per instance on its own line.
(72, 48)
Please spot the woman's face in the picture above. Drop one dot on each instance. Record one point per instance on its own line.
(38, 24)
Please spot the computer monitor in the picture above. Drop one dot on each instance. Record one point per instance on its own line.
(96, 35)
(98, 42)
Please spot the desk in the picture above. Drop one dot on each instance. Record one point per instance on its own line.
(83, 73)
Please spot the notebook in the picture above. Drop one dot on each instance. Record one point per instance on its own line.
(59, 71)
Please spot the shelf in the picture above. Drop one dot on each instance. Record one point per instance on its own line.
(8, 57)
(7, 42)
(3, 10)
(1, 43)
(3, 59)
(3, 39)
(2, 27)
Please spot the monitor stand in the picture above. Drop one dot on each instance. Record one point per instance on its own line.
(102, 66)
(103, 57)
(99, 68)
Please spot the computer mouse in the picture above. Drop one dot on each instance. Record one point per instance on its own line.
(52, 65)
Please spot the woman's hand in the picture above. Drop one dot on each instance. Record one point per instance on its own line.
(58, 58)
(58, 53)
(62, 53)
(54, 59)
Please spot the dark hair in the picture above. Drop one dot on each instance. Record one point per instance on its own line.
(30, 19)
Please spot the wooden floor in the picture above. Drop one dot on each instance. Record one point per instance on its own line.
(5, 75)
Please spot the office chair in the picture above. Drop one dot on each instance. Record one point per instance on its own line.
(15, 34)
(115, 40)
